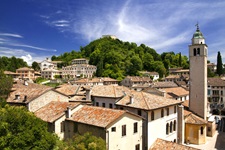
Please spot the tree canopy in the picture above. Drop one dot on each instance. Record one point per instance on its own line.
(20, 129)
(11, 64)
(117, 59)
(219, 66)
(6, 83)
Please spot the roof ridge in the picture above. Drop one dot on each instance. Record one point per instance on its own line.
(145, 100)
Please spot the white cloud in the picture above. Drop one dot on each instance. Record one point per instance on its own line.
(28, 59)
(11, 35)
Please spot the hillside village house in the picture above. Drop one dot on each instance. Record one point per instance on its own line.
(177, 93)
(107, 95)
(216, 95)
(130, 81)
(48, 64)
(153, 75)
(55, 113)
(33, 96)
(26, 73)
(160, 85)
(159, 113)
(50, 73)
(79, 68)
(120, 129)
(12, 74)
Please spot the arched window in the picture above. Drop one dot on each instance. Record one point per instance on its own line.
(167, 128)
(195, 52)
(175, 109)
(202, 129)
(162, 112)
(198, 51)
(174, 125)
(152, 115)
(167, 111)
(171, 127)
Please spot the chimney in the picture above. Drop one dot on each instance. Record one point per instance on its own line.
(180, 124)
(88, 94)
(25, 83)
(132, 99)
(68, 112)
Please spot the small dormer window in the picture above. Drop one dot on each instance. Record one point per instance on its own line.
(17, 97)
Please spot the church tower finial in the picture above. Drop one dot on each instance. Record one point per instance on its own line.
(197, 27)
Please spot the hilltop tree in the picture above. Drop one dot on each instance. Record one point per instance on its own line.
(35, 66)
(6, 83)
(219, 70)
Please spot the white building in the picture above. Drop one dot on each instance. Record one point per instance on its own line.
(159, 113)
(120, 129)
(47, 64)
(80, 68)
(50, 73)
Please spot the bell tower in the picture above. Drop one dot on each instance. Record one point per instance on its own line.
(198, 74)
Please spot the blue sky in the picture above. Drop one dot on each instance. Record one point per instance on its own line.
(36, 29)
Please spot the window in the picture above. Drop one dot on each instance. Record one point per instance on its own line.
(97, 104)
(221, 92)
(167, 111)
(137, 147)
(194, 51)
(171, 127)
(167, 128)
(62, 126)
(75, 128)
(174, 125)
(198, 51)
(162, 112)
(221, 100)
(135, 127)
(113, 129)
(103, 104)
(202, 129)
(123, 130)
(110, 105)
(175, 109)
(139, 112)
(152, 115)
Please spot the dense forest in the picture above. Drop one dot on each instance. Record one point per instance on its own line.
(11, 64)
(116, 59)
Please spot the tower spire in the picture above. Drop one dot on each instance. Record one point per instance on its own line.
(197, 27)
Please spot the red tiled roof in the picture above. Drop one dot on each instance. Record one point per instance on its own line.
(31, 91)
(138, 79)
(68, 89)
(186, 103)
(191, 118)
(96, 116)
(178, 91)
(26, 68)
(216, 82)
(109, 91)
(146, 101)
(164, 84)
(161, 144)
(54, 110)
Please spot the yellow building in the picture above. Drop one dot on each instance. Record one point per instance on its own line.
(195, 128)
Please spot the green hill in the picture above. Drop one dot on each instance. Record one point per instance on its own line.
(117, 59)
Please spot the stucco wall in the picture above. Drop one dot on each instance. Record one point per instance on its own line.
(157, 127)
(44, 99)
(105, 100)
(193, 134)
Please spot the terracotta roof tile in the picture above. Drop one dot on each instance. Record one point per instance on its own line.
(54, 110)
(173, 77)
(186, 103)
(96, 116)
(146, 101)
(164, 84)
(139, 79)
(191, 118)
(160, 144)
(176, 91)
(109, 91)
(67, 89)
(26, 68)
(216, 82)
(31, 91)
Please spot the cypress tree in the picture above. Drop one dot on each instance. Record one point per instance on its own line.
(219, 66)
